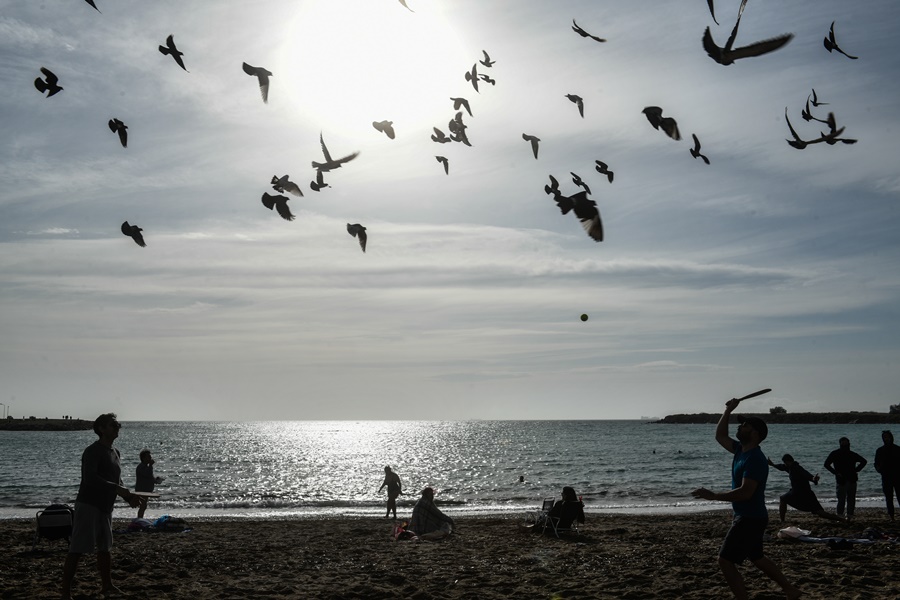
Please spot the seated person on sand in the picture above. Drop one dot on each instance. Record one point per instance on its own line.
(800, 496)
(568, 510)
(427, 521)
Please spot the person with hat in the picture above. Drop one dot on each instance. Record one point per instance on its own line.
(749, 472)
(428, 522)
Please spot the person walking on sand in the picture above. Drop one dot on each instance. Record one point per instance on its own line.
(101, 482)
(845, 464)
(887, 462)
(749, 471)
(145, 480)
(800, 496)
(394, 489)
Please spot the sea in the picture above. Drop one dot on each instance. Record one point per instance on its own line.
(299, 469)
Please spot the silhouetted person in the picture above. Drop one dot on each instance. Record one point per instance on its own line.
(145, 480)
(887, 462)
(800, 496)
(845, 464)
(394, 489)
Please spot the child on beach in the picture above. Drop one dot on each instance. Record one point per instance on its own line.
(145, 480)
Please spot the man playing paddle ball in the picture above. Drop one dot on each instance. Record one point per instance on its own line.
(749, 471)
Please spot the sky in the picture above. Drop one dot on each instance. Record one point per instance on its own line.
(770, 267)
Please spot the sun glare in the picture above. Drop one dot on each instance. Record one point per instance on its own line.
(348, 63)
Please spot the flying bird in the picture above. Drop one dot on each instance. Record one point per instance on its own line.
(815, 99)
(117, 126)
(457, 102)
(51, 83)
(487, 79)
(534, 143)
(583, 33)
(695, 151)
(279, 203)
(797, 142)
(603, 169)
(553, 188)
(585, 210)
(473, 76)
(487, 60)
(458, 129)
(319, 182)
(262, 75)
(727, 55)
(443, 160)
(832, 138)
(330, 163)
(386, 127)
(576, 179)
(440, 137)
(578, 102)
(284, 184)
(403, 2)
(134, 232)
(831, 44)
(358, 231)
(91, 2)
(807, 115)
(172, 51)
(668, 124)
(712, 10)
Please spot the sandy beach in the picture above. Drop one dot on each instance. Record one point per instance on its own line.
(616, 556)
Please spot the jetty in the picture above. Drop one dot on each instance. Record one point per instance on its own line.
(35, 424)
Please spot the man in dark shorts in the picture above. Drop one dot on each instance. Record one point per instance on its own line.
(101, 482)
(800, 496)
(845, 464)
(749, 471)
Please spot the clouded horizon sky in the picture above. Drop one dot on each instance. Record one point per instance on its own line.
(771, 267)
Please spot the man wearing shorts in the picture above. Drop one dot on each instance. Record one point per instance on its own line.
(101, 482)
(749, 471)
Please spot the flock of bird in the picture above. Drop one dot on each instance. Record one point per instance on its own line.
(579, 203)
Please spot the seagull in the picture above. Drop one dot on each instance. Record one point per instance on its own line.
(712, 10)
(584, 33)
(831, 44)
(386, 127)
(487, 79)
(443, 160)
(808, 116)
(815, 99)
(117, 126)
(603, 169)
(553, 188)
(534, 143)
(585, 210)
(578, 102)
(358, 231)
(457, 102)
(668, 124)
(695, 151)
(50, 84)
(134, 232)
(319, 183)
(487, 60)
(473, 76)
(279, 203)
(579, 182)
(91, 2)
(171, 50)
(329, 163)
(439, 136)
(283, 184)
(403, 2)
(263, 76)
(727, 56)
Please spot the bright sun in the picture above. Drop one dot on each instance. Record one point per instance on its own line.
(352, 62)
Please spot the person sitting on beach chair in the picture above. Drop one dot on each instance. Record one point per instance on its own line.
(428, 522)
(563, 516)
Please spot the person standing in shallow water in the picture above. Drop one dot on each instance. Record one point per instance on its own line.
(887, 462)
(749, 471)
(394, 489)
(845, 464)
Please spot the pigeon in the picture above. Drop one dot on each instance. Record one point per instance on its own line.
(831, 138)
(284, 184)
(457, 102)
(263, 76)
(117, 126)
(797, 142)
(279, 203)
(473, 76)
(585, 210)
(831, 44)
(386, 127)
(553, 188)
(603, 169)
(487, 60)
(171, 50)
(403, 2)
(712, 10)
(319, 183)
(815, 99)
(440, 137)
(578, 102)
(727, 55)
(487, 79)
(51, 84)
(134, 232)
(808, 116)
(443, 160)
(695, 151)
(668, 124)
(91, 2)
(579, 182)
(584, 33)
(330, 163)
(534, 143)
(458, 129)
(358, 231)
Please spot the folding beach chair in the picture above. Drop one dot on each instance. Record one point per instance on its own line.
(554, 523)
(53, 523)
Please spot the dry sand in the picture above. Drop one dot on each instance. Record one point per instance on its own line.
(617, 556)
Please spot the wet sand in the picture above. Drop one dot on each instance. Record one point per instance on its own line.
(616, 556)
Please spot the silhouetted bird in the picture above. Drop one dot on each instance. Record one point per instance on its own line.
(117, 126)
(727, 55)
(473, 76)
(831, 138)
(458, 129)
(358, 231)
(712, 10)
(279, 203)
(815, 99)
(487, 60)
(553, 188)
(50, 85)
(584, 33)
(585, 210)
(319, 182)
(172, 51)
(668, 124)
(487, 79)
(807, 114)
(284, 184)
(386, 127)
(134, 232)
(443, 160)
(797, 142)
(91, 2)
(580, 182)
(534, 143)
(403, 2)
(603, 169)
(440, 137)
(695, 151)
(262, 75)
(330, 163)
(457, 102)
(578, 102)
(831, 44)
